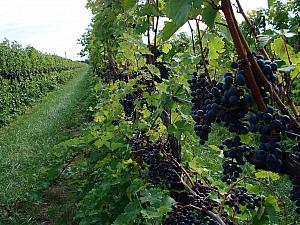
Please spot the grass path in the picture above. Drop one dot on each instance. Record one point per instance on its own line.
(24, 144)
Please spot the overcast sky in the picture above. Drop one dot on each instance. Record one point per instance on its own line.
(49, 25)
(55, 25)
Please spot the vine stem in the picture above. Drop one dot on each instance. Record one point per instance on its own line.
(227, 10)
(290, 102)
(193, 42)
(182, 168)
(286, 49)
(202, 50)
(260, 73)
(68, 164)
(253, 28)
(159, 114)
(192, 34)
(216, 217)
(156, 27)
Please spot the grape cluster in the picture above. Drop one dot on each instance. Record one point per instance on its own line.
(164, 70)
(158, 159)
(270, 126)
(219, 102)
(190, 215)
(235, 151)
(269, 68)
(160, 167)
(128, 103)
(110, 73)
(241, 197)
(142, 85)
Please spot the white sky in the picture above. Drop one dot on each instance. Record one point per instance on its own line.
(55, 25)
(48, 25)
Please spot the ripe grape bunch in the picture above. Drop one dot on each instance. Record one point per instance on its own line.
(195, 208)
(160, 168)
(230, 102)
(189, 216)
(234, 153)
(219, 102)
(159, 161)
(142, 85)
(165, 71)
(241, 197)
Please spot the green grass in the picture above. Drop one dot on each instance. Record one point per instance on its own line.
(24, 144)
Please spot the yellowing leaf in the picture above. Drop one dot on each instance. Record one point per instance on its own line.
(267, 174)
(278, 47)
(215, 46)
(195, 167)
(214, 147)
(166, 48)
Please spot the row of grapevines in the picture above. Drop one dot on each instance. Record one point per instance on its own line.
(18, 62)
(27, 74)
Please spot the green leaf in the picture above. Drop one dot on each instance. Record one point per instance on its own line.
(209, 14)
(154, 70)
(166, 48)
(215, 46)
(153, 196)
(247, 138)
(194, 166)
(214, 147)
(263, 40)
(131, 212)
(150, 213)
(166, 204)
(149, 10)
(169, 29)
(197, 3)
(178, 10)
(271, 207)
(128, 4)
(272, 201)
(270, 3)
(267, 174)
(278, 47)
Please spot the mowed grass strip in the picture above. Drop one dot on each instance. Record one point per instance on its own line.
(25, 143)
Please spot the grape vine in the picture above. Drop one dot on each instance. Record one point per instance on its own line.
(160, 106)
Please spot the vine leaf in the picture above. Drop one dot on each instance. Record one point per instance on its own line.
(214, 147)
(178, 10)
(209, 14)
(169, 29)
(131, 212)
(272, 207)
(263, 40)
(270, 3)
(166, 48)
(215, 46)
(197, 3)
(149, 10)
(280, 51)
(159, 203)
(267, 174)
(128, 4)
